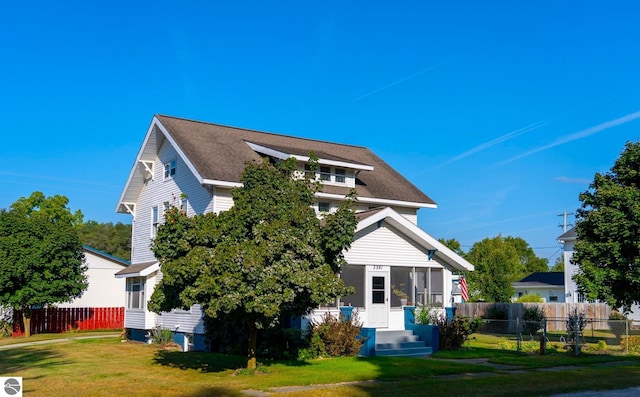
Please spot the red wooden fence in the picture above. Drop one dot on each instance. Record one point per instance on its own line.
(55, 320)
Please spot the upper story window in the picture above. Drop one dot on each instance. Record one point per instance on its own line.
(155, 221)
(326, 173)
(308, 172)
(340, 175)
(183, 204)
(169, 169)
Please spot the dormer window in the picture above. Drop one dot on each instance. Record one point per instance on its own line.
(169, 169)
(340, 175)
(308, 172)
(325, 173)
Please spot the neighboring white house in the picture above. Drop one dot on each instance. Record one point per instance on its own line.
(548, 285)
(568, 241)
(104, 289)
(195, 164)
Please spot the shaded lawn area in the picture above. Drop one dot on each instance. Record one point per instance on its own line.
(107, 367)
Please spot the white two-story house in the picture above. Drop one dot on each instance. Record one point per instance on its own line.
(392, 262)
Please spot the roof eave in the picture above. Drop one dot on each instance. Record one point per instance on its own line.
(155, 122)
(380, 201)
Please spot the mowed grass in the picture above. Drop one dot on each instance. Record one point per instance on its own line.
(107, 367)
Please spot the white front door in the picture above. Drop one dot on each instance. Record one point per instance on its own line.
(378, 297)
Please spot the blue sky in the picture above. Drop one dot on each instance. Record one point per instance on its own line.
(502, 112)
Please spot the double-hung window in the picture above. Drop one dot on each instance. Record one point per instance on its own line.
(340, 175)
(169, 169)
(155, 221)
(135, 293)
(325, 173)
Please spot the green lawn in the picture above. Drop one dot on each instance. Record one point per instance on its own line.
(107, 367)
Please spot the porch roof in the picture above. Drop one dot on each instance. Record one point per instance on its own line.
(139, 270)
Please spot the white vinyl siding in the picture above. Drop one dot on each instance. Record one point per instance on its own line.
(188, 321)
(384, 246)
(223, 200)
(157, 191)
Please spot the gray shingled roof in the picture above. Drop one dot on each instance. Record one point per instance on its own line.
(540, 278)
(220, 153)
(570, 234)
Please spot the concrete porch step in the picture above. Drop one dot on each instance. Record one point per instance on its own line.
(406, 352)
(400, 343)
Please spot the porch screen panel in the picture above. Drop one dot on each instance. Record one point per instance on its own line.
(353, 276)
(429, 287)
(401, 285)
(437, 290)
(422, 294)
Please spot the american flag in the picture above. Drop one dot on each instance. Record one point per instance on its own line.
(463, 289)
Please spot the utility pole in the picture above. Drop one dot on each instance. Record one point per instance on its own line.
(564, 223)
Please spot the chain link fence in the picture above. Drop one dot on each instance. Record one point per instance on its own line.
(576, 333)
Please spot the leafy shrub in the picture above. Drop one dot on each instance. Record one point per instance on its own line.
(617, 323)
(532, 317)
(161, 336)
(601, 346)
(454, 332)
(532, 298)
(633, 342)
(427, 315)
(576, 319)
(333, 337)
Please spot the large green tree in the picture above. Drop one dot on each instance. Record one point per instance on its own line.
(558, 266)
(607, 250)
(453, 245)
(266, 257)
(114, 239)
(500, 261)
(41, 257)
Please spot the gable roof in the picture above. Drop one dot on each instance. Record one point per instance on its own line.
(217, 155)
(412, 231)
(569, 235)
(541, 279)
(115, 259)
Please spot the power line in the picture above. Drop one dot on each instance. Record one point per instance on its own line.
(564, 223)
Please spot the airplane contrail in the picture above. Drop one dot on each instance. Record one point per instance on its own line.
(405, 79)
(495, 141)
(578, 135)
